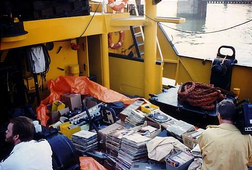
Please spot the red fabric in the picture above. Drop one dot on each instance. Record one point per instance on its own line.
(78, 85)
(88, 163)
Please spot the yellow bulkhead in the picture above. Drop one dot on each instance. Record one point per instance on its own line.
(125, 75)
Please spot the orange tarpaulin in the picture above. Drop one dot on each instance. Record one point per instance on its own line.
(88, 163)
(78, 85)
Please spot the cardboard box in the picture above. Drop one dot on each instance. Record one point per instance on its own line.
(73, 101)
(179, 128)
(190, 139)
(54, 117)
(90, 102)
(105, 131)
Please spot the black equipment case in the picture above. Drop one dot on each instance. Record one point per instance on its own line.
(65, 156)
(169, 104)
(244, 117)
(222, 68)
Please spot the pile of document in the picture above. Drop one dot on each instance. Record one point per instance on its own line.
(179, 128)
(113, 140)
(148, 131)
(85, 140)
(135, 118)
(133, 149)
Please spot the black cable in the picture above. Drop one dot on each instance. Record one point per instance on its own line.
(191, 32)
(188, 32)
(90, 20)
(221, 30)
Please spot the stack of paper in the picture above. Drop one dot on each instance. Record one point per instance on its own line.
(179, 128)
(113, 140)
(133, 149)
(85, 140)
(135, 118)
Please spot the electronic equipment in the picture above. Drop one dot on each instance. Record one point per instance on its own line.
(108, 114)
(244, 117)
(247, 113)
(94, 115)
(83, 116)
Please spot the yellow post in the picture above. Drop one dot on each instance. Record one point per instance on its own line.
(150, 33)
(105, 61)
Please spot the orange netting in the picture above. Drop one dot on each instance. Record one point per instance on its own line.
(78, 85)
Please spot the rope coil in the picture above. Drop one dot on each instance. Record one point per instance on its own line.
(200, 95)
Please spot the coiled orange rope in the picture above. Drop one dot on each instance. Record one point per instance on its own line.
(200, 95)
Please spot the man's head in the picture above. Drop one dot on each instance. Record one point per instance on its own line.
(226, 110)
(20, 129)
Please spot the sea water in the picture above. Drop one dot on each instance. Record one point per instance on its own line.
(202, 44)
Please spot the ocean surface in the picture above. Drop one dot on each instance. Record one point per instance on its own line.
(199, 42)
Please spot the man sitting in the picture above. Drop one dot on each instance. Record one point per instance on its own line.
(223, 147)
(27, 154)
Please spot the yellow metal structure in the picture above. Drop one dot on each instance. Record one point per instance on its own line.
(127, 76)
(51, 30)
(62, 56)
(241, 78)
(151, 80)
(150, 50)
(13, 39)
(105, 61)
(123, 74)
(83, 58)
(182, 69)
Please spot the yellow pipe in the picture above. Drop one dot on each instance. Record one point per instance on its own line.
(137, 21)
(174, 20)
(171, 61)
(105, 61)
(150, 33)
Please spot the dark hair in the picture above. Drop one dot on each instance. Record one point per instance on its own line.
(226, 109)
(23, 127)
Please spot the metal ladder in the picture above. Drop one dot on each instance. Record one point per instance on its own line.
(137, 35)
